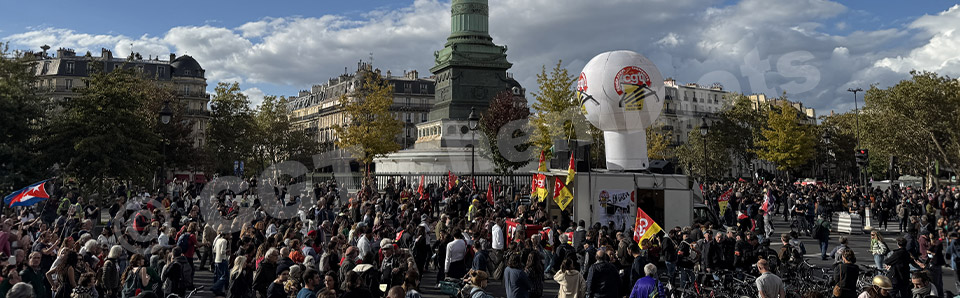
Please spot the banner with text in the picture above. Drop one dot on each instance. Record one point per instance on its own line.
(614, 205)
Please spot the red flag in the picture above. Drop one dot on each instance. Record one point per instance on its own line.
(473, 180)
(490, 193)
(420, 188)
(451, 180)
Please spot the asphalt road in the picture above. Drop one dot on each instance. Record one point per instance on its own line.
(859, 242)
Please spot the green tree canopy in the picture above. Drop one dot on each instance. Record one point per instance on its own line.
(232, 130)
(369, 129)
(110, 131)
(21, 112)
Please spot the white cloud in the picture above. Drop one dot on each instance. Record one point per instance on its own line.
(255, 95)
(751, 45)
(940, 51)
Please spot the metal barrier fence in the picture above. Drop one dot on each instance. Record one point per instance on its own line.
(353, 181)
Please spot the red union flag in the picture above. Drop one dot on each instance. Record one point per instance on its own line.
(539, 186)
(644, 228)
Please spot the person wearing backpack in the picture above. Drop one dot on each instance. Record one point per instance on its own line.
(789, 255)
(821, 232)
(187, 242)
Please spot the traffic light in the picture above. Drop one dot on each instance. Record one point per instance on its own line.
(863, 157)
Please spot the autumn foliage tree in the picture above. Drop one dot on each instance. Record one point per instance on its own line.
(786, 142)
(369, 129)
(504, 126)
(556, 110)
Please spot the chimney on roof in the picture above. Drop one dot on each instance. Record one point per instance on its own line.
(388, 73)
(172, 56)
(106, 54)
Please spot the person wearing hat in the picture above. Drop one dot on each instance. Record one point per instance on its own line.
(879, 288)
(276, 288)
(392, 268)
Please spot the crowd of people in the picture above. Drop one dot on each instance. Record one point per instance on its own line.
(382, 241)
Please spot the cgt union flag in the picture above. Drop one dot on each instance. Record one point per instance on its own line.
(561, 194)
(28, 195)
(644, 228)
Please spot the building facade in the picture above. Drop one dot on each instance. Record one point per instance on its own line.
(318, 112)
(685, 107)
(63, 75)
(688, 106)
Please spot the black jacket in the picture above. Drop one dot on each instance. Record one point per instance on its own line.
(899, 261)
(636, 270)
(264, 276)
(603, 281)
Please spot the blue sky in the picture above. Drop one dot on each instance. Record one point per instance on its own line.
(812, 49)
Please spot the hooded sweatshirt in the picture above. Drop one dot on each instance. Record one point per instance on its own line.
(572, 284)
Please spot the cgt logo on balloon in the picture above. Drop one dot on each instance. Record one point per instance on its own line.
(622, 98)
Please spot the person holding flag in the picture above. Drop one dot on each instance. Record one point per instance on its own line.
(645, 227)
(27, 196)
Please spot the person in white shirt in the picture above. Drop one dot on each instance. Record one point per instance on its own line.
(221, 256)
(365, 242)
(456, 250)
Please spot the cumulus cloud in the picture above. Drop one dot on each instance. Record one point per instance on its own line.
(783, 49)
(255, 95)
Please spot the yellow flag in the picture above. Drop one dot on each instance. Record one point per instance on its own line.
(561, 194)
(644, 228)
(571, 170)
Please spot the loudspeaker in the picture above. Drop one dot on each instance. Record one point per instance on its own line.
(661, 167)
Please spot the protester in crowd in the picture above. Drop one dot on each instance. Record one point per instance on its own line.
(769, 285)
(648, 286)
(880, 287)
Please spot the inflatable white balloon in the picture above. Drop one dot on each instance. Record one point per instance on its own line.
(621, 93)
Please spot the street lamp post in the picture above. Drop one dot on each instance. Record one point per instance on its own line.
(703, 139)
(165, 115)
(826, 141)
(856, 110)
(472, 122)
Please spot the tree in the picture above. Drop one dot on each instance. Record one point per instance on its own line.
(557, 113)
(21, 112)
(839, 153)
(369, 127)
(699, 160)
(658, 143)
(504, 109)
(277, 140)
(232, 129)
(739, 125)
(786, 141)
(915, 120)
(110, 131)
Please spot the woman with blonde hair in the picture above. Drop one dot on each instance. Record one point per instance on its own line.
(241, 279)
(878, 248)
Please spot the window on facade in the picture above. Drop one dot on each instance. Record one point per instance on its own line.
(140, 68)
(423, 117)
(70, 66)
(407, 87)
(89, 67)
(68, 83)
(423, 88)
(46, 67)
(161, 71)
(186, 72)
